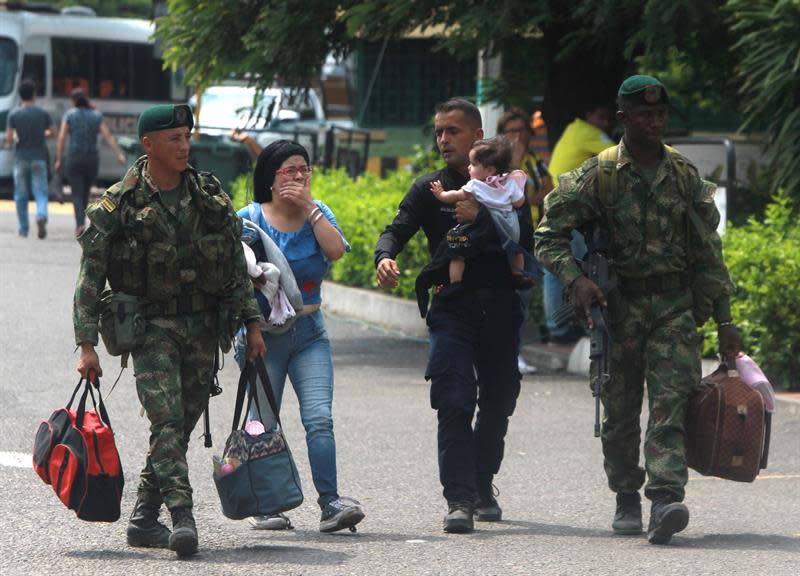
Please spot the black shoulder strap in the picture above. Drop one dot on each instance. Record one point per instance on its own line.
(252, 374)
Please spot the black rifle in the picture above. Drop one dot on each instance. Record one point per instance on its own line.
(215, 390)
(595, 266)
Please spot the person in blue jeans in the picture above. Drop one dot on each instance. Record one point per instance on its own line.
(307, 234)
(32, 125)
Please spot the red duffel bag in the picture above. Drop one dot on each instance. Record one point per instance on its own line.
(74, 452)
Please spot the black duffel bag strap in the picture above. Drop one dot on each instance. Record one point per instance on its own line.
(241, 392)
(251, 374)
(99, 405)
(267, 385)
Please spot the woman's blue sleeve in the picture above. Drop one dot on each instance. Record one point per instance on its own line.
(332, 219)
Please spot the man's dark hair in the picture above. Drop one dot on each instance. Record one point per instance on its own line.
(514, 114)
(469, 109)
(27, 89)
(493, 152)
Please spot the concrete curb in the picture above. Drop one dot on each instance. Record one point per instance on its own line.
(388, 312)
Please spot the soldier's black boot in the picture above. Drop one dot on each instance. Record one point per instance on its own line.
(667, 517)
(144, 529)
(486, 507)
(628, 517)
(183, 539)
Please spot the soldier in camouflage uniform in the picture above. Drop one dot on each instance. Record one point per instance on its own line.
(660, 220)
(167, 239)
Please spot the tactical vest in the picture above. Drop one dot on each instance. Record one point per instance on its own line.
(180, 264)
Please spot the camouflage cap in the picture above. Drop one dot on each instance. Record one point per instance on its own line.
(640, 89)
(164, 116)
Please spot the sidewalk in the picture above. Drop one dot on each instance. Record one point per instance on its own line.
(400, 316)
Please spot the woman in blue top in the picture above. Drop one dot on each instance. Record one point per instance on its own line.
(306, 232)
(82, 124)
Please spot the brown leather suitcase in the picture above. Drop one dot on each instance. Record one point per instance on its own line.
(727, 428)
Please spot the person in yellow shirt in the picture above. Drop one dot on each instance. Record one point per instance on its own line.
(583, 138)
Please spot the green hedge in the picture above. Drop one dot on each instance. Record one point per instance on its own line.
(363, 208)
(763, 257)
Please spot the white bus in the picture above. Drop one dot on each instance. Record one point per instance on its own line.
(112, 59)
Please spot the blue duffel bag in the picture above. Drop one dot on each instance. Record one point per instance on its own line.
(256, 475)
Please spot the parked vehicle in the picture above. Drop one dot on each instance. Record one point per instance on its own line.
(275, 113)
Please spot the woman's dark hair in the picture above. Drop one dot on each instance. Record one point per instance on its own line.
(79, 98)
(493, 152)
(268, 162)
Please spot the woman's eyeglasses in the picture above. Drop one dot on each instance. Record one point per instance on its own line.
(292, 171)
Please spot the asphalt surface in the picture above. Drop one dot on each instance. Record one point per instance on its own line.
(557, 509)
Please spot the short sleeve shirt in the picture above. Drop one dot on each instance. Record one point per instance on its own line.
(302, 251)
(30, 123)
(84, 124)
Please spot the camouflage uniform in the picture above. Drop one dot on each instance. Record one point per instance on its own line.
(185, 263)
(654, 318)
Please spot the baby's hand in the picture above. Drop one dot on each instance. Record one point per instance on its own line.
(436, 188)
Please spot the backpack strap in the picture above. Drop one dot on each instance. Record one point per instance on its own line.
(607, 175)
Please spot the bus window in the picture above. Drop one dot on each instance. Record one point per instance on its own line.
(8, 65)
(149, 81)
(33, 68)
(112, 70)
(72, 66)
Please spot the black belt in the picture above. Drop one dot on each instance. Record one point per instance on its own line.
(180, 305)
(654, 284)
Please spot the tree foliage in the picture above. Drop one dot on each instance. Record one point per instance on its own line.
(262, 39)
(589, 46)
(769, 75)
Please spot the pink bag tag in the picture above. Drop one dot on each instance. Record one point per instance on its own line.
(752, 375)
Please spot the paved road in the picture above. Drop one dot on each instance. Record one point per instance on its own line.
(552, 486)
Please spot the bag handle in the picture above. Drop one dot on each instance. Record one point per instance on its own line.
(251, 374)
(99, 405)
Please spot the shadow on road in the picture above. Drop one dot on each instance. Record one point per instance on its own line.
(744, 542)
(521, 527)
(230, 555)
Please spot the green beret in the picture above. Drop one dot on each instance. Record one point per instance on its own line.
(164, 116)
(642, 89)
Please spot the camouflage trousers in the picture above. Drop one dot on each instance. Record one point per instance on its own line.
(654, 339)
(173, 371)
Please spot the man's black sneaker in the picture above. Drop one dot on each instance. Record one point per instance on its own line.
(666, 518)
(183, 539)
(340, 514)
(488, 510)
(144, 529)
(459, 518)
(628, 516)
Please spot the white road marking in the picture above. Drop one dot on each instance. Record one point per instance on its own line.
(16, 459)
(415, 541)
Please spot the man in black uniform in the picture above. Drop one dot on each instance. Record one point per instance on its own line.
(474, 327)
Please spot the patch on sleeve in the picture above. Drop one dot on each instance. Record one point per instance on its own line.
(108, 204)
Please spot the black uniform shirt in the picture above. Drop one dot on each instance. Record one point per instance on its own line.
(421, 209)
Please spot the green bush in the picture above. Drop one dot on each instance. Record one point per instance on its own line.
(764, 261)
(363, 208)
